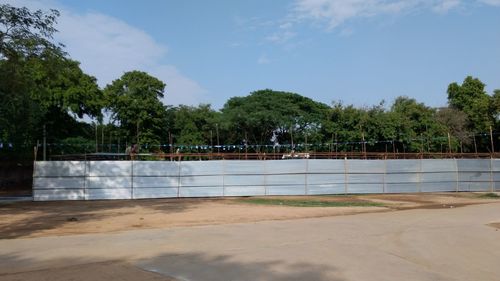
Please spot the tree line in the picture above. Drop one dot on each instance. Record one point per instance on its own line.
(45, 94)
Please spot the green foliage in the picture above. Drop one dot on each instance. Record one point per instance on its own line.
(76, 145)
(39, 86)
(24, 33)
(257, 116)
(472, 99)
(489, 195)
(194, 125)
(134, 103)
(309, 203)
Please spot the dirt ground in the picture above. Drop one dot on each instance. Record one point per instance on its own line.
(38, 219)
(99, 271)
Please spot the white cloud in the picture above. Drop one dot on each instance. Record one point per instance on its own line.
(263, 59)
(180, 89)
(337, 12)
(107, 47)
(491, 2)
(281, 36)
(446, 5)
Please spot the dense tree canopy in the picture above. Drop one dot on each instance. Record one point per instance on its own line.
(134, 103)
(41, 87)
(472, 99)
(256, 117)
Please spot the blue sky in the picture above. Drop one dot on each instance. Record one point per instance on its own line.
(356, 51)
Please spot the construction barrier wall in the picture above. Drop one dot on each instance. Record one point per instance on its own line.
(93, 180)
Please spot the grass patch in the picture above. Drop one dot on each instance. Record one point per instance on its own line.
(489, 195)
(310, 203)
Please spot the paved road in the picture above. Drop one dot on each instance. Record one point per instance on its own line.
(439, 244)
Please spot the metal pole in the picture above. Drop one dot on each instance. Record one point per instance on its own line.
(217, 133)
(346, 170)
(491, 138)
(102, 138)
(492, 185)
(137, 133)
(449, 143)
(96, 144)
(475, 145)
(44, 143)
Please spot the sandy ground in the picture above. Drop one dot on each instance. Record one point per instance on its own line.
(37, 219)
(459, 243)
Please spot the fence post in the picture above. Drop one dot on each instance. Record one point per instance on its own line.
(132, 180)
(491, 175)
(179, 163)
(264, 162)
(458, 175)
(223, 178)
(346, 171)
(85, 179)
(305, 181)
(419, 175)
(384, 175)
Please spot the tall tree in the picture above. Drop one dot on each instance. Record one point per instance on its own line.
(472, 99)
(134, 102)
(38, 85)
(414, 123)
(266, 112)
(26, 33)
(194, 125)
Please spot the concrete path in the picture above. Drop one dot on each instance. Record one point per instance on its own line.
(439, 244)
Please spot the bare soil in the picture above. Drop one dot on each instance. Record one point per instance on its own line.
(37, 219)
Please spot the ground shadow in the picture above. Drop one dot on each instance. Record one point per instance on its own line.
(41, 216)
(166, 267)
(200, 266)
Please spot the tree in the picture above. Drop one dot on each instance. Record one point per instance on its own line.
(194, 125)
(414, 123)
(263, 113)
(39, 86)
(134, 102)
(25, 33)
(455, 123)
(472, 99)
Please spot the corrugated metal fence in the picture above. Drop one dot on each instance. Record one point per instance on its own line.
(91, 180)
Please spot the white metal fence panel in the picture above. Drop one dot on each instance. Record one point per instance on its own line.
(156, 168)
(202, 168)
(159, 192)
(365, 188)
(200, 191)
(59, 180)
(107, 194)
(326, 188)
(59, 169)
(193, 181)
(59, 183)
(278, 167)
(155, 182)
(240, 167)
(365, 166)
(58, 194)
(109, 168)
(244, 190)
(325, 166)
(246, 180)
(79, 180)
(402, 187)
